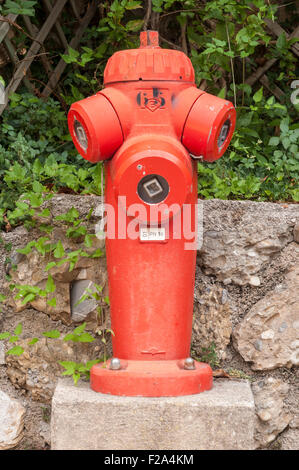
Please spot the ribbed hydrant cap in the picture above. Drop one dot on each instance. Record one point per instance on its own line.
(149, 62)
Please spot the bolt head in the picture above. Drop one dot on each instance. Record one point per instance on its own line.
(189, 363)
(115, 364)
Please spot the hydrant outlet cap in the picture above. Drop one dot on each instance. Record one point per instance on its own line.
(149, 62)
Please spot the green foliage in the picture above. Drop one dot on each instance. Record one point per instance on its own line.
(256, 166)
(96, 294)
(240, 29)
(225, 39)
(240, 374)
(115, 31)
(52, 334)
(29, 293)
(209, 355)
(15, 351)
(13, 338)
(77, 369)
(44, 247)
(46, 412)
(18, 7)
(37, 155)
(79, 335)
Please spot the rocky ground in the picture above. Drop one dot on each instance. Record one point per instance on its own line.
(246, 314)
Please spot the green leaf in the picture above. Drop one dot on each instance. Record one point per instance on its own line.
(50, 265)
(89, 213)
(89, 364)
(134, 25)
(28, 298)
(222, 93)
(27, 249)
(286, 142)
(76, 232)
(88, 240)
(22, 205)
(52, 334)
(258, 96)
(70, 216)
(86, 338)
(70, 337)
(274, 141)
(15, 351)
(13, 339)
(46, 228)
(4, 335)
(79, 329)
(52, 302)
(44, 213)
(33, 341)
(76, 377)
(284, 125)
(69, 366)
(71, 57)
(50, 285)
(59, 250)
(133, 5)
(19, 7)
(97, 253)
(18, 329)
(281, 41)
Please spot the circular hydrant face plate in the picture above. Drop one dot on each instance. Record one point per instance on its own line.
(153, 189)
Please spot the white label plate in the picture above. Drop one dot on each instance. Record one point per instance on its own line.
(149, 234)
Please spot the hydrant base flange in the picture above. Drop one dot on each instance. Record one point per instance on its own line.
(151, 378)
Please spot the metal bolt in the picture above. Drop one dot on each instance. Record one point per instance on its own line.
(189, 363)
(115, 364)
(139, 167)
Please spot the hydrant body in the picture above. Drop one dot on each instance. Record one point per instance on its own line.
(145, 124)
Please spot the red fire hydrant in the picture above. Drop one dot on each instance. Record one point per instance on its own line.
(145, 124)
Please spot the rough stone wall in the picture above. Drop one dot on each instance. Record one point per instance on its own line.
(246, 313)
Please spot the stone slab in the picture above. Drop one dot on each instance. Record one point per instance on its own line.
(12, 415)
(221, 418)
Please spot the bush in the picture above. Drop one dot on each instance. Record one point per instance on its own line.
(226, 41)
(36, 148)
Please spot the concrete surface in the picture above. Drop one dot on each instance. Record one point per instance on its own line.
(222, 418)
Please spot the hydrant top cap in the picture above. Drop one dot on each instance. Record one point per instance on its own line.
(149, 62)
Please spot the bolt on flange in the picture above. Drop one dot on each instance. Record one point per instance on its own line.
(115, 364)
(189, 363)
